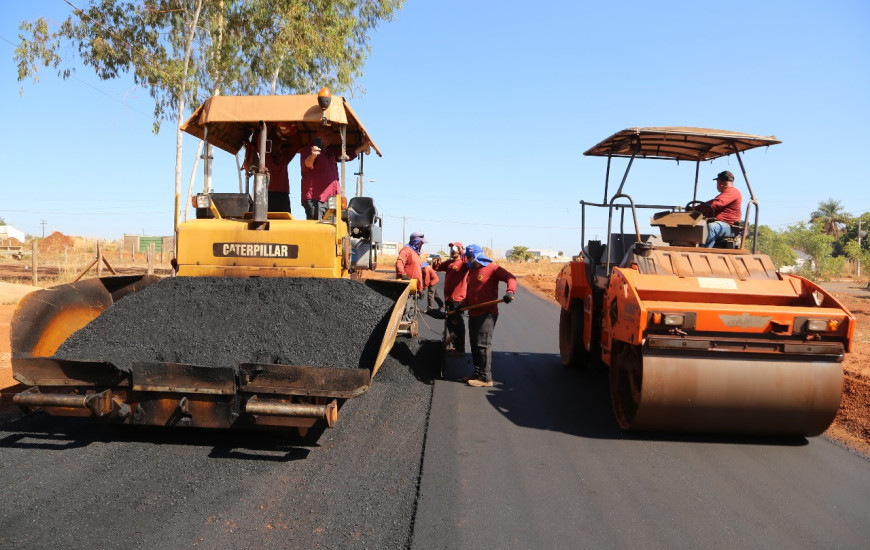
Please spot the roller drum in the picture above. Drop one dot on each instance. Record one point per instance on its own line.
(725, 394)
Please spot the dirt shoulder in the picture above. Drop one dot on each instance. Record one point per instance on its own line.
(851, 427)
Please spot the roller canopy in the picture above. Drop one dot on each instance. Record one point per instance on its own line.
(230, 118)
(678, 142)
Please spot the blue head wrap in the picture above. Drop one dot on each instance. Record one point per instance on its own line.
(424, 264)
(474, 253)
(416, 241)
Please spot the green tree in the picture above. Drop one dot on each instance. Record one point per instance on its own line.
(519, 254)
(774, 244)
(183, 51)
(856, 252)
(819, 247)
(830, 217)
(2, 221)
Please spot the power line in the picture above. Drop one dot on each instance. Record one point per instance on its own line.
(484, 224)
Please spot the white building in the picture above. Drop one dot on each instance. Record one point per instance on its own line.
(9, 232)
(391, 248)
(544, 253)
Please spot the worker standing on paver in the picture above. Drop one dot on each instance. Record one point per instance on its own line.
(408, 264)
(455, 283)
(483, 278)
(284, 145)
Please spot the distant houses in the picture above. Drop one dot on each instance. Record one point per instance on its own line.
(802, 258)
(8, 232)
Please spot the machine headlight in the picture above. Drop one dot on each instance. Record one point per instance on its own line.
(670, 319)
(823, 325)
(673, 319)
(201, 201)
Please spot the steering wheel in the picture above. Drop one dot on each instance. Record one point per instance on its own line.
(704, 209)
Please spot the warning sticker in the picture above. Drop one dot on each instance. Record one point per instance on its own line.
(712, 282)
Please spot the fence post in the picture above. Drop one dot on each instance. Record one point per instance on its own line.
(33, 263)
(151, 259)
(99, 260)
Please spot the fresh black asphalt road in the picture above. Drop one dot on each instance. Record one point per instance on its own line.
(537, 461)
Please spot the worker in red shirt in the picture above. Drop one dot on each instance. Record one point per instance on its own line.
(725, 209)
(455, 283)
(284, 145)
(319, 167)
(408, 264)
(430, 283)
(483, 279)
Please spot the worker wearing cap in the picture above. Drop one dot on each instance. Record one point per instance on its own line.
(284, 146)
(483, 278)
(430, 282)
(455, 284)
(725, 208)
(408, 264)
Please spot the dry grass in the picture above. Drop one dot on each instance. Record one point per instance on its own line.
(63, 266)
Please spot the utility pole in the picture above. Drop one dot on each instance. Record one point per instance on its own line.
(859, 246)
(403, 229)
(43, 228)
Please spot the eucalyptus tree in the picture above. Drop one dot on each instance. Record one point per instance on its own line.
(183, 51)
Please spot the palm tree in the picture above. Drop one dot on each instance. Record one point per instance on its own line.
(830, 216)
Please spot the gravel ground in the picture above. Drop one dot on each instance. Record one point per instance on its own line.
(213, 321)
(354, 486)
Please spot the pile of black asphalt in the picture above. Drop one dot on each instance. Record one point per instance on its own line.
(352, 486)
(221, 322)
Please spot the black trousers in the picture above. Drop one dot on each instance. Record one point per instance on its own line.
(456, 326)
(314, 210)
(435, 301)
(278, 201)
(480, 329)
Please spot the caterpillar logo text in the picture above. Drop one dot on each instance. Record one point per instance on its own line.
(255, 250)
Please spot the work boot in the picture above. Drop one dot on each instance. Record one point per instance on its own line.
(478, 383)
(473, 376)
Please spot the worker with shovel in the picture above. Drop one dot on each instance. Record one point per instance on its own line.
(455, 282)
(481, 301)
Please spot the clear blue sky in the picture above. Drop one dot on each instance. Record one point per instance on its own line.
(483, 110)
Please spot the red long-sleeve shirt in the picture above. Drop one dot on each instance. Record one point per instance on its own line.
(408, 263)
(430, 278)
(321, 181)
(455, 279)
(483, 287)
(727, 205)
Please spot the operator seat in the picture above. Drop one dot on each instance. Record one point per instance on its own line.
(361, 215)
(732, 241)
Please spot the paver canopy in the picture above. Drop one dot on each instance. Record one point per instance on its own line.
(230, 118)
